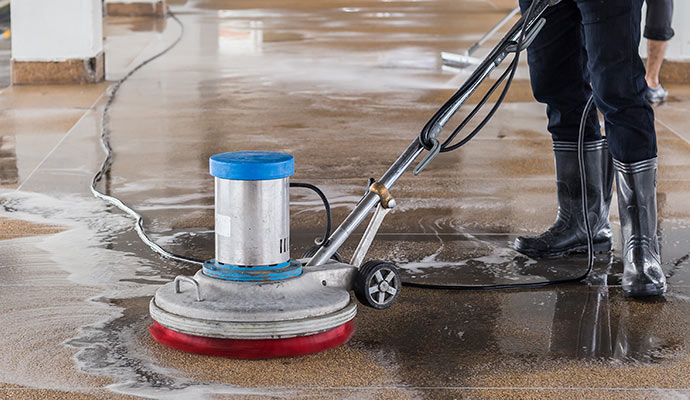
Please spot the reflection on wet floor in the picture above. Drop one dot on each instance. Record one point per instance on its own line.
(466, 334)
(9, 174)
(140, 24)
(484, 259)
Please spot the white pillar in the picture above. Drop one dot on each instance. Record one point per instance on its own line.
(57, 41)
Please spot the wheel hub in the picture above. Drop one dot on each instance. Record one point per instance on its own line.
(384, 286)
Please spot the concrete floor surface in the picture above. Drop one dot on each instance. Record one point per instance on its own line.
(344, 87)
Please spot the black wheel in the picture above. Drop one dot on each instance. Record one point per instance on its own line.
(377, 284)
(312, 250)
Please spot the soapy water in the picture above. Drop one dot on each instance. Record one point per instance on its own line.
(498, 262)
(89, 226)
(103, 255)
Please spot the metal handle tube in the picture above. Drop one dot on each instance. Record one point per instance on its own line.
(436, 130)
(369, 234)
(368, 202)
(456, 106)
(497, 56)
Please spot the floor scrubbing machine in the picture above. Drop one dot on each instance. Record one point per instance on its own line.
(253, 300)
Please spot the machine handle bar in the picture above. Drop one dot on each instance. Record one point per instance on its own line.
(370, 200)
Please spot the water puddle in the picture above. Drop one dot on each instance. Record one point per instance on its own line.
(485, 258)
(99, 285)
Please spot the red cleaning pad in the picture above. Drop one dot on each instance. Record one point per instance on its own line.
(253, 348)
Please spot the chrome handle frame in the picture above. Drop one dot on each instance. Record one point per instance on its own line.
(369, 234)
(415, 149)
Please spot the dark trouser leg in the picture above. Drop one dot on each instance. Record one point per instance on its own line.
(559, 78)
(558, 72)
(612, 35)
(658, 20)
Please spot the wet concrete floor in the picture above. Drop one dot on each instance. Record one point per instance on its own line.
(344, 87)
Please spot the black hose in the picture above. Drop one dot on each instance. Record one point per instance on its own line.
(326, 205)
(445, 147)
(583, 183)
(476, 77)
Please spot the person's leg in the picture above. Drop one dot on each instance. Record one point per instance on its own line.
(612, 35)
(558, 72)
(558, 75)
(658, 31)
(656, 51)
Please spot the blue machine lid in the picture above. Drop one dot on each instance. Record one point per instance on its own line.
(252, 165)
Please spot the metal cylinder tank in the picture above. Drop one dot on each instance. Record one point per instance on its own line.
(252, 212)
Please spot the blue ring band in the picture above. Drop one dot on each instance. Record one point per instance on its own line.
(286, 270)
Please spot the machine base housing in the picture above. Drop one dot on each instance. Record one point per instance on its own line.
(302, 315)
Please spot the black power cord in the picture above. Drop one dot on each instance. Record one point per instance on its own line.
(329, 218)
(110, 155)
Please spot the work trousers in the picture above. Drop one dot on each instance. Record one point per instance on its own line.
(591, 47)
(658, 21)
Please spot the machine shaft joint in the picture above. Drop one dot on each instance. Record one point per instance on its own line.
(387, 200)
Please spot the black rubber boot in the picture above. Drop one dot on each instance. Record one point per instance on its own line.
(568, 234)
(642, 274)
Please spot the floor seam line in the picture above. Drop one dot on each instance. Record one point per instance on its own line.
(64, 137)
(665, 125)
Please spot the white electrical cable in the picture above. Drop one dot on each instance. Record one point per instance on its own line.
(107, 163)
